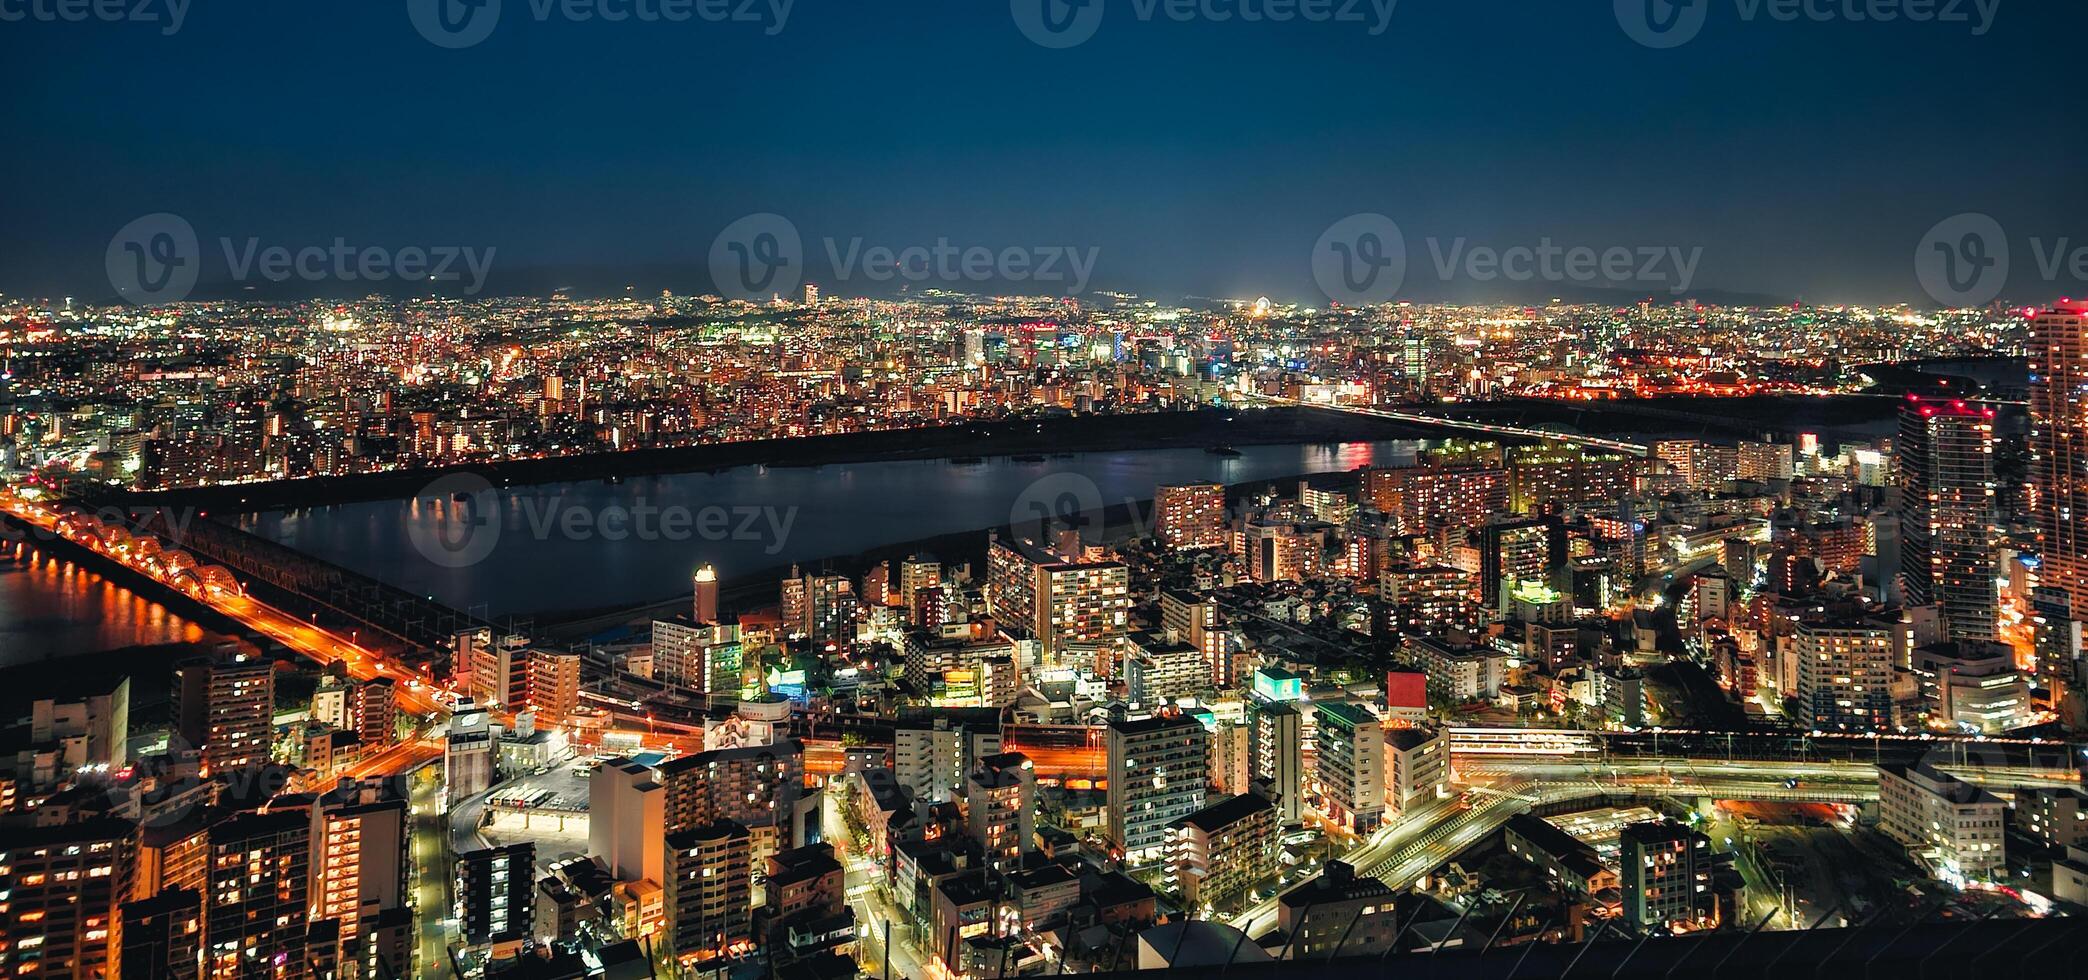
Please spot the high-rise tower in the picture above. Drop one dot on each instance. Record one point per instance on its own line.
(1946, 482)
(2059, 447)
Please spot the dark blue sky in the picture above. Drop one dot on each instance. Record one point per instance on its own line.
(1804, 158)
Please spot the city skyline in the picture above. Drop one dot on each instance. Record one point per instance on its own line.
(955, 490)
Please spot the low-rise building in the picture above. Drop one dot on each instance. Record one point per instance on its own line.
(1958, 828)
(1222, 851)
(1566, 858)
(1417, 766)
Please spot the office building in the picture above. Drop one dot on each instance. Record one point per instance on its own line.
(1406, 698)
(59, 888)
(1417, 767)
(554, 685)
(1351, 771)
(158, 938)
(255, 912)
(469, 752)
(2058, 817)
(376, 709)
(360, 860)
(1565, 858)
(1956, 828)
(627, 820)
(496, 895)
(1666, 871)
(1000, 804)
(227, 709)
(1844, 675)
(1276, 753)
(1158, 771)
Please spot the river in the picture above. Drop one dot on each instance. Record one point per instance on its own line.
(593, 545)
(51, 607)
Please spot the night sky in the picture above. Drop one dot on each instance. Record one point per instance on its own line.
(1806, 159)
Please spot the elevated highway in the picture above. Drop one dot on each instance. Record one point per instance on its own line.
(1998, 760)
(1524, 769)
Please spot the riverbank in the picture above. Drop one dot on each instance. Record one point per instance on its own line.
(1202, 428)
(1719, 418)
(1205, 428)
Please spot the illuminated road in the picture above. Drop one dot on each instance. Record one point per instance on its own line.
(399, 758)
(866, 885)
(432, 862)
(297, 634)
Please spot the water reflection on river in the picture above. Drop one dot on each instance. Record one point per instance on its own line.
(51, 607)
(589, 545)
